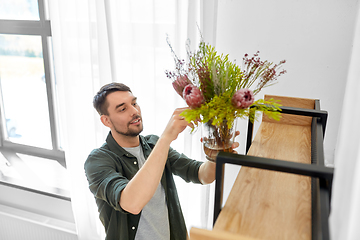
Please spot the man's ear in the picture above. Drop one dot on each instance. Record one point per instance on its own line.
(105, 120)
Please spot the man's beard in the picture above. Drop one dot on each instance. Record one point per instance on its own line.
(130, 132)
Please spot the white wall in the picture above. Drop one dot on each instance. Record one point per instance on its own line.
(314, 36)
(345, 208)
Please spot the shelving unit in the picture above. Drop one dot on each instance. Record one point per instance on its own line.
(283, 188)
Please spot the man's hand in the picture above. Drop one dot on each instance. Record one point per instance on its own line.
(235, 144)
(176, 125)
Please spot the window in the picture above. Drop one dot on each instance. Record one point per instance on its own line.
(28, 117)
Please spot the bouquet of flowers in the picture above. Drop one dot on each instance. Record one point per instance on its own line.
(218, 91)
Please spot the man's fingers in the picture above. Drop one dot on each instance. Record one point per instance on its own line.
(235, 145)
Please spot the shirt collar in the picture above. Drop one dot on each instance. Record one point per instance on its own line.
(120, 151)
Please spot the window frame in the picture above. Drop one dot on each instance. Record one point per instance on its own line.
(40, 28)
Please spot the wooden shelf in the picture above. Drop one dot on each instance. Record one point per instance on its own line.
(265, 204)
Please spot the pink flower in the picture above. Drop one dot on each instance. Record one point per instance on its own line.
(193, 96)
(180, 83)
(243, 98)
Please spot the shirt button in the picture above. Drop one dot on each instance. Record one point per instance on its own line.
(133, 228)
(135, 163)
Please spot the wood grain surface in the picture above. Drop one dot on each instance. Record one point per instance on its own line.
(292, 102)
(203, 234)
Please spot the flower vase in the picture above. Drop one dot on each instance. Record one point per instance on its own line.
(218, 138)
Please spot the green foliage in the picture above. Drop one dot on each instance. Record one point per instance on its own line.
(219, 79)
(271, 108)
(220, 109)
(214, 74)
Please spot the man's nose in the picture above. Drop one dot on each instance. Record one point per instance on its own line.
(134, 110)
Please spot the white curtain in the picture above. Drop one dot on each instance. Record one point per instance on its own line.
(345, 207)
(82, 64)
(97, 42)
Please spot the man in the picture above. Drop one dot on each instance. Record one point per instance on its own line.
(131, 175)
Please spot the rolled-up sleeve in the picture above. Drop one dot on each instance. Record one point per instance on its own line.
(105, 177)
(180, 164)
(184, 167)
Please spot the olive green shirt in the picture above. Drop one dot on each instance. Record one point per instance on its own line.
(109, 169)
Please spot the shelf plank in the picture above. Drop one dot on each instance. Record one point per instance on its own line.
(203, 234)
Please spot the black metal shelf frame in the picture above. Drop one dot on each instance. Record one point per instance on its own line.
(321, 182)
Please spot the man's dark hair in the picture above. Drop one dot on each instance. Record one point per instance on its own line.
(100, 103)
